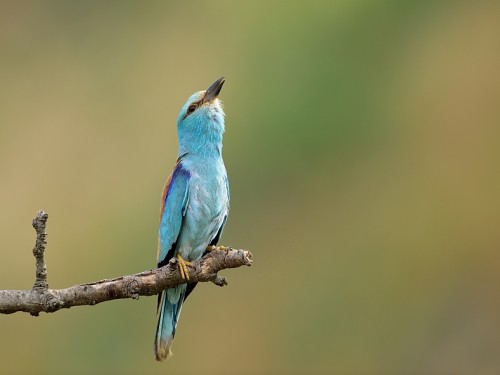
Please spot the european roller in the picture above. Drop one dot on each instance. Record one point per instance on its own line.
(194, 203)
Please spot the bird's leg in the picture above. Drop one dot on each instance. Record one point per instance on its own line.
(183, 267)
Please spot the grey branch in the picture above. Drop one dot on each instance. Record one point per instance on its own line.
(148, 283)
(39, 223)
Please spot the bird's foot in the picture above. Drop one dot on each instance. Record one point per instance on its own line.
(183, 267)
(212, 248)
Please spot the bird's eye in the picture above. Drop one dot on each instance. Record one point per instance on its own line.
(191, 109)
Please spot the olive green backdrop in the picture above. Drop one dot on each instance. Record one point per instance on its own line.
(363, 150)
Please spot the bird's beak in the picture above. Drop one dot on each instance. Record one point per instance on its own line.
(214, 90)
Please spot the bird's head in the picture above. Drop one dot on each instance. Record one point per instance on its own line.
(200, 124)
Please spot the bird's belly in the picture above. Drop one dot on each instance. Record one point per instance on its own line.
(207, 208)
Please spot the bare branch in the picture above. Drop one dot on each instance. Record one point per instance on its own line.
(41, 299)
(39, 223)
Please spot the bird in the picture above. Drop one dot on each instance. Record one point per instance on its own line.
(194, 204)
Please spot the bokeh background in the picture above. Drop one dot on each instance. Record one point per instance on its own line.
(363, 149)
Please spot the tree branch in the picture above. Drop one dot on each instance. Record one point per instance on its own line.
(148, 283)
(39, 223)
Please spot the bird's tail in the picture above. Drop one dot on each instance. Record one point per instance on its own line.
(169, 309)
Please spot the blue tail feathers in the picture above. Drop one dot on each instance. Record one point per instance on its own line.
(169, 310)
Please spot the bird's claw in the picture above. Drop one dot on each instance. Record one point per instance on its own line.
(212, 248)
(183, 267)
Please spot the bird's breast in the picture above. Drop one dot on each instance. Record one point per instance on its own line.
(208, 205)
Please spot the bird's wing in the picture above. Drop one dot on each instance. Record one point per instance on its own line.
(173, 209)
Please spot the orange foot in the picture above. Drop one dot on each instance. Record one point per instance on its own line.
(212, 248)
(183, 267)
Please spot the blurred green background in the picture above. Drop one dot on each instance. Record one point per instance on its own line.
(363, 150)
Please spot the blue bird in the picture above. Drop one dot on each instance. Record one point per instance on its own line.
(194, 203)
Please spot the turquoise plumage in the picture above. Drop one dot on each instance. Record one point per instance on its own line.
(194, 205)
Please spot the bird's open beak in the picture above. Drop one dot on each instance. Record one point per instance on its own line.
(214, 90)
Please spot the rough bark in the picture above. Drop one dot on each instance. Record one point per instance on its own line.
(147, 283)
